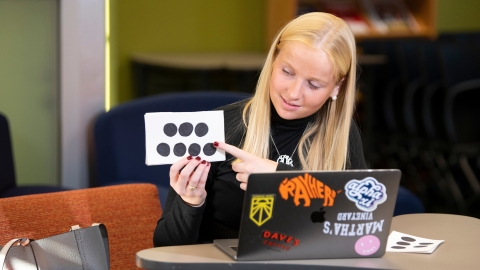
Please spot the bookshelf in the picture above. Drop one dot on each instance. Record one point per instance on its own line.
(424, 13)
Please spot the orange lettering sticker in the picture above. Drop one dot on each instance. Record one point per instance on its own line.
(304, 188)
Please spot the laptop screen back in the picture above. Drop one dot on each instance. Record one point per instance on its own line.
(302, 215)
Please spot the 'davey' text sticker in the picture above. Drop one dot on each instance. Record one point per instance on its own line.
(173, 135)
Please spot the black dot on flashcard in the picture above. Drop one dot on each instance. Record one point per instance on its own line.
(194, 149)
(179, 149)
(185, 129)
(163, 149)
(403, 243)
(201, 129)
(419, 246)
(408, 239)
(170, 129)
(209, 149)
(398, 247)
(425, 243)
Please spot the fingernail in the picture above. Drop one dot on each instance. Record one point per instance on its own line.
(204, 161)
(215, 144)
(189, 157)
(197, 158)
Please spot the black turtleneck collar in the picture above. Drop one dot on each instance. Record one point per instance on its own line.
(285, 136)
(277, 120)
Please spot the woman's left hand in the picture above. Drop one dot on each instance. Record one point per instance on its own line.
(248, 164)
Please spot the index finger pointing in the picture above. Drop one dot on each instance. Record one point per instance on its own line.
(234, 151)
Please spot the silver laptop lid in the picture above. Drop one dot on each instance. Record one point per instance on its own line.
(311, 215)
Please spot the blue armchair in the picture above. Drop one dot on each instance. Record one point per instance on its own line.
(119, 136)
(8, 183)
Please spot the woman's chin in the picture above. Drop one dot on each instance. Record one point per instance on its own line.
(288, 115)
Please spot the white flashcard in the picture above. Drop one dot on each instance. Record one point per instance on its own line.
(173, 135)
(401, 242)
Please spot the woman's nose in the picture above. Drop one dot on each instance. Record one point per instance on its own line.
(295, 90)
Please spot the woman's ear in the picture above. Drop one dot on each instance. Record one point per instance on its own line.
(337, 88)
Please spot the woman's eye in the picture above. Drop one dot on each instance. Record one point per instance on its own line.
(286, 71)
(313, 86)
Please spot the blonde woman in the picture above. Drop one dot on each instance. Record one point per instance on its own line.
(300, 117)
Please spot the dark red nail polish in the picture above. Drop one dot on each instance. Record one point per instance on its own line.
(204, 161)
(189, 157)
(197, 158)
(215, 144)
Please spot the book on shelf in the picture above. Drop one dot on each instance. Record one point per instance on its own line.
(389, 16)
(347, 10)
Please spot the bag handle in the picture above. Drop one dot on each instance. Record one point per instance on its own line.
(6, 248)
(76, 227)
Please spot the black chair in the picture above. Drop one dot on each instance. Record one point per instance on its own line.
(413, 81)
(384, 85)
(373, 79)
(119, 136)
(462, 118)
(461, 73)
(434, 94)
(442, 193)
(399, 149)
(8, 184)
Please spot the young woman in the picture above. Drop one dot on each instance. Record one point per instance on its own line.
(300, 117)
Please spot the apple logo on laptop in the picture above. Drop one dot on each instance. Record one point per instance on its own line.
(318, 216)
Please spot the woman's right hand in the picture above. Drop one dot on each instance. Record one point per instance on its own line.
(188, 177)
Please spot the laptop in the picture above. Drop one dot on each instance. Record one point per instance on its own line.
(315, 215)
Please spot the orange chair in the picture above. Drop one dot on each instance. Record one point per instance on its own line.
(130, 212)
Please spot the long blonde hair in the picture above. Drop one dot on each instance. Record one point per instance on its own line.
(324, 146)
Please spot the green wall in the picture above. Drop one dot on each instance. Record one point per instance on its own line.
(163, 26)
(458, 15)
(29, 68)
(148, 26)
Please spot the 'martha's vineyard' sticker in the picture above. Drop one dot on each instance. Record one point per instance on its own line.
(367, 193)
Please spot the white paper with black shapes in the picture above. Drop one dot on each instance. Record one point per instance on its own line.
(170, 136)
(401, 242)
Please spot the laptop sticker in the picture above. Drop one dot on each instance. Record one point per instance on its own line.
(261, 209)
(279, 240)
(367, 194)
(367, 245)
(304, 188)
(353, 229)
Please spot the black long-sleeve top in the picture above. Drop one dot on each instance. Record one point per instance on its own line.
(219, 217)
